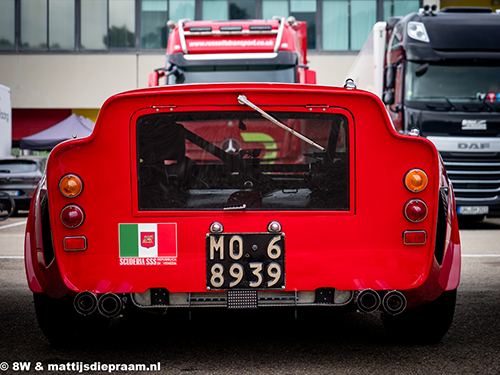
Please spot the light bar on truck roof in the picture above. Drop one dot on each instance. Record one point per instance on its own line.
(230, 30)
(200, 29)
(230, 56)
(261, 27)
(225, 31)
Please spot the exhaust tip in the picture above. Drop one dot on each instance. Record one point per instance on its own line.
(85, 303)
(394, 302)
(110, 305)
(368, 300)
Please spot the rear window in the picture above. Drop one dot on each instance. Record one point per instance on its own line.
(17, 166)
(239, 160)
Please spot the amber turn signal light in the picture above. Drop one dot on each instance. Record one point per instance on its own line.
(71, 185)
(415, 180)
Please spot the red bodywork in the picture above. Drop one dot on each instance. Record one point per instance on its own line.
(354, 249)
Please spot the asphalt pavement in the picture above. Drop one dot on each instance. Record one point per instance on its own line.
(276, 343)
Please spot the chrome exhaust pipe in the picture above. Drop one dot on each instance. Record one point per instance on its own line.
(109, 305)
(368, 301)
(394, 302)
(85, 303)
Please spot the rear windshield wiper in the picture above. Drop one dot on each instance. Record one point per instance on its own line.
(242, 99)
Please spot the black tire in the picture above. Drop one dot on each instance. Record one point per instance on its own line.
(426, 324)
(63, 326)
(7, 206)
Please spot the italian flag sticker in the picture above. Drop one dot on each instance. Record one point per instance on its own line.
(148, 240)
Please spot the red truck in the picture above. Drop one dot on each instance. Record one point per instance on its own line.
(243, 196)
(236, 51)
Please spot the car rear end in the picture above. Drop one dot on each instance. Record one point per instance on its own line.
(244, 196)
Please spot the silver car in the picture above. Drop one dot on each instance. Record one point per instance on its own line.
(19, 177)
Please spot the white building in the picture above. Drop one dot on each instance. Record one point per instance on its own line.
(64, 56)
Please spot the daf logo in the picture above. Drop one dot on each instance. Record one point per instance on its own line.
(231, 146)
(473, 146)
(468, 124)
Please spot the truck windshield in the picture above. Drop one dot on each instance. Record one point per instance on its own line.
(458, 84)
(208, 74)
(238, 160)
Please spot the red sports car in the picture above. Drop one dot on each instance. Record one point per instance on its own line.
(244, 196)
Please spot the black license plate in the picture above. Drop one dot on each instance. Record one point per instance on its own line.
(245, 261)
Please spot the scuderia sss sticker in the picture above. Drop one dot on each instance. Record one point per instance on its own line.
(148, 244)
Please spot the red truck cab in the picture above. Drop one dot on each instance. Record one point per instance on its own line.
(236, 51)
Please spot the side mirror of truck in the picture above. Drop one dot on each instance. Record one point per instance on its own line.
(154, 78)
(388, 97)
(390, 77)
(310, 76)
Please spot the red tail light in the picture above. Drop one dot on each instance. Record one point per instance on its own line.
(77, 243)
(415, 210)
(414, 237)
(72, 216)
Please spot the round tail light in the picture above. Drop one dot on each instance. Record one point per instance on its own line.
(416, 180)
(415, 210)
(72, 216)
(70, 185)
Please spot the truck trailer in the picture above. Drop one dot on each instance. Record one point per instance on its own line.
(5, 121)
(438, 74)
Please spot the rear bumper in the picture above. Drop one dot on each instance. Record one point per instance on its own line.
(298, 292)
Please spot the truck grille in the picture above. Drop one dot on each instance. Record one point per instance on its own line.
(475, 177)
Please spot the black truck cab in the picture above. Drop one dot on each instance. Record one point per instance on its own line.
(442, 77)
